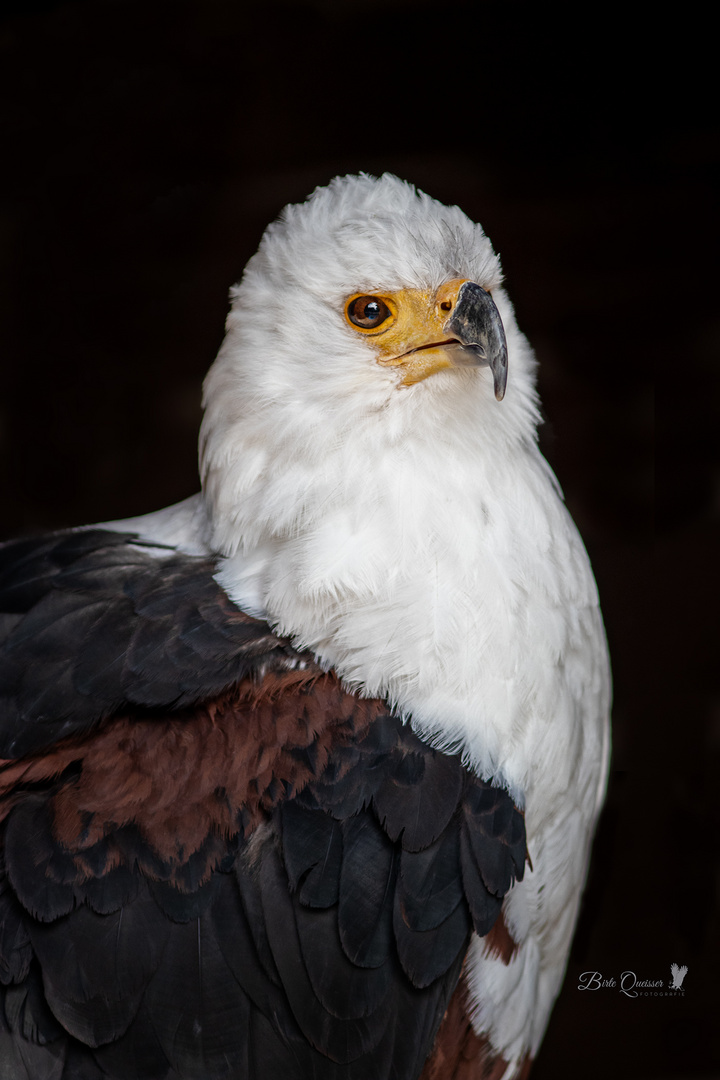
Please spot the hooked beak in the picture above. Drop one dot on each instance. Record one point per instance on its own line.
(476, 323)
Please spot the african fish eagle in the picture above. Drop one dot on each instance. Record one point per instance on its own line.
(299, 777)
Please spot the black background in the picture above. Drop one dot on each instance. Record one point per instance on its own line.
(147, 144)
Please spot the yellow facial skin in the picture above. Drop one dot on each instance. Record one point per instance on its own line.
(412, 335)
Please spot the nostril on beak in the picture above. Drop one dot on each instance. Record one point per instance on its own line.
(446, 305)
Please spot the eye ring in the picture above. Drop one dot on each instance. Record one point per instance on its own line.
(368, 313)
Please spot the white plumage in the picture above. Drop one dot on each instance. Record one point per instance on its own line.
(415, 540)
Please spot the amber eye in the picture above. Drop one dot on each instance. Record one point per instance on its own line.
(368, 312)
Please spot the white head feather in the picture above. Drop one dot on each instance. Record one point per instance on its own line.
(296, 374)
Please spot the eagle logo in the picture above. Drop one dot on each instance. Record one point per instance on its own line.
(678, 974)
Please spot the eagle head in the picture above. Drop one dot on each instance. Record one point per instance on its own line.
(372, 316)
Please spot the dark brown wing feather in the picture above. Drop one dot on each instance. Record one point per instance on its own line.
(238, 870)
(94, 622)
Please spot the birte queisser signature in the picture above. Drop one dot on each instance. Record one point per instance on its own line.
(631, 986)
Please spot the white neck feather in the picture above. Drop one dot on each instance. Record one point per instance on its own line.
(423, 551)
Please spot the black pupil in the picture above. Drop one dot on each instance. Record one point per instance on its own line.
(368, 312)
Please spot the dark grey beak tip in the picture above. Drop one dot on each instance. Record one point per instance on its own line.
(476, 321)
(500, 379)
